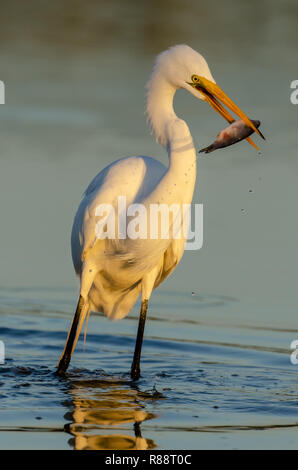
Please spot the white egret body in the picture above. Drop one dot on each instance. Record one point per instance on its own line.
(114, 272)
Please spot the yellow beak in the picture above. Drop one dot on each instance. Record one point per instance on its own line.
(212, 93)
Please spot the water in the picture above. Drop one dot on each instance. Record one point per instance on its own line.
(216, 370)
(202, 385)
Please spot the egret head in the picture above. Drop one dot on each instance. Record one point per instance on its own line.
(182, 67)
(179, 63)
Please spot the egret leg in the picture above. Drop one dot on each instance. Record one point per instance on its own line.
(135, 367)
(66, 355)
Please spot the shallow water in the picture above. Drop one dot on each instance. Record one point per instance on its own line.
(216, 370)
(202, 385)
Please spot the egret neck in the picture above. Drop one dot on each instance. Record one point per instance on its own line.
(173, 133)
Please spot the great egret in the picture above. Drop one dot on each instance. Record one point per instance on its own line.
(114, 272)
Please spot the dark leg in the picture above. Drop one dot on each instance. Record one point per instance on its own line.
(135, 368)
(66, 355)
(137, 428)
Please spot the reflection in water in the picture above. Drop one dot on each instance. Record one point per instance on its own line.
(101, 410)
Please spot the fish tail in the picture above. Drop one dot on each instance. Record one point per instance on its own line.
(208, 149)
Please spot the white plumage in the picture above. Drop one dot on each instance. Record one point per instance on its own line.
(114, 272)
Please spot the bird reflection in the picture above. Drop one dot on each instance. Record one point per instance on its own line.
(107, 415)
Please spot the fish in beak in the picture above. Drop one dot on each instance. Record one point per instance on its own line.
(213, 94)
(235, 132)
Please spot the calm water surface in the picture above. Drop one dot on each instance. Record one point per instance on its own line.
(216, 370)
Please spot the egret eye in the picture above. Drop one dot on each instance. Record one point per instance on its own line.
(195, 78)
